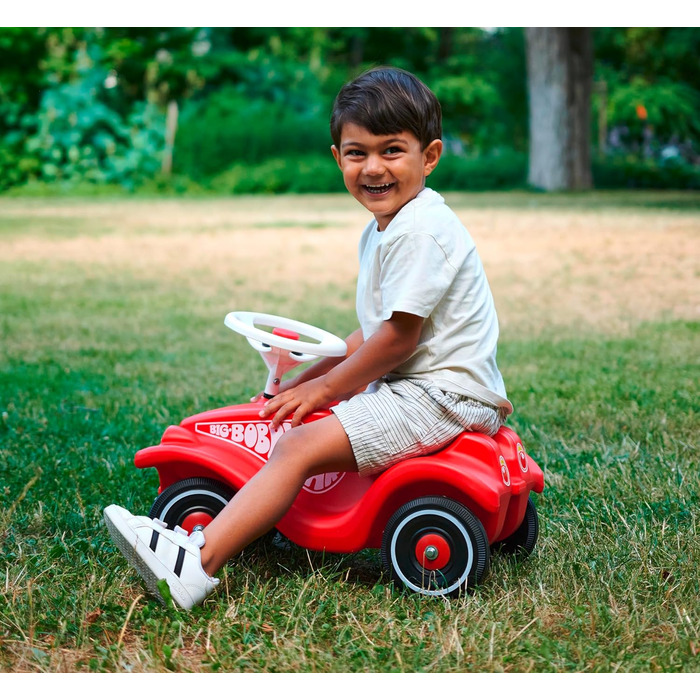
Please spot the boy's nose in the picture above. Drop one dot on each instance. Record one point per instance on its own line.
(374, 165)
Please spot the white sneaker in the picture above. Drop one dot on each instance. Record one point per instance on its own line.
(158, 553)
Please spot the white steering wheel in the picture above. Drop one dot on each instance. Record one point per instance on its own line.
(280, 352)
(327, 345)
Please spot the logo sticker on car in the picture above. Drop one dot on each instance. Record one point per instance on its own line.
(505, 474)
(323, 482)
(522, 458)
(257, 437)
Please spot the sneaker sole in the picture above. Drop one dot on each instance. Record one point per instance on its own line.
(144, 560)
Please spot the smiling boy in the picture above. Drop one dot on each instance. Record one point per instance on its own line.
(420, 369)
(384, 172)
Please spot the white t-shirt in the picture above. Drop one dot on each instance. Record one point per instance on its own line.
(426, 263)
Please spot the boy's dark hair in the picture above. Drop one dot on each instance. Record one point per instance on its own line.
(386, 101)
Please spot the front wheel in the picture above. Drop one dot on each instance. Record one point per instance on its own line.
(435, 547)
(191, 502)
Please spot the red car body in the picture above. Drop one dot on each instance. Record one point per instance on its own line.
(343, 512)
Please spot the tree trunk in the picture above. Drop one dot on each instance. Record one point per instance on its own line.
(560, 73)
(171, 119)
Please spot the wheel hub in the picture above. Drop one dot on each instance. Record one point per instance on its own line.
(433, 552)
(194, 519)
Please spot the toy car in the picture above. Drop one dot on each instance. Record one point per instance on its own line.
(434, 518)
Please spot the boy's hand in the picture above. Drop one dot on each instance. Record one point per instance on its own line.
(299, 401)
(387, 348)
(288, 384)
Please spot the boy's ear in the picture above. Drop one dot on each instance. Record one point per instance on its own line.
(336, 155)
(431, 156)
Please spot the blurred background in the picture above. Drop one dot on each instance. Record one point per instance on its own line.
(245, 110)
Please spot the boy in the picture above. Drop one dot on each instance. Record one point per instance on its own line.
(420, 370)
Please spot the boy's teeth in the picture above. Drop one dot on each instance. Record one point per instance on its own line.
(378, 189)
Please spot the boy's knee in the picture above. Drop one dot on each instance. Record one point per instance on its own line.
(313, 448)
(289, 458)
(289, 449)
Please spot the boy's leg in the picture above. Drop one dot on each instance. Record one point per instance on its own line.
(309, 449)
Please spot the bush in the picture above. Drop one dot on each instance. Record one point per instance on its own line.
(67, 188)
(637, 173)
(659, 111)
(76, 137)
(230, 128)
(15, 167)
(292, 174)
(499, 171)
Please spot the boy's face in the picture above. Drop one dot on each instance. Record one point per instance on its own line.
(384, 172)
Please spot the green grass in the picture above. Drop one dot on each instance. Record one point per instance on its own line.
(94, 366)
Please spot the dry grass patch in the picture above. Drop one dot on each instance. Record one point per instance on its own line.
(604, 268)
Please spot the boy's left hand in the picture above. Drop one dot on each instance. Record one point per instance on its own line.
(299, 401)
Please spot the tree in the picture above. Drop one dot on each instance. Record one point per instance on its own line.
(560, 74)
(649, 80)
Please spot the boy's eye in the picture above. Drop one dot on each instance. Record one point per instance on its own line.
(393, 149)
(354, 152)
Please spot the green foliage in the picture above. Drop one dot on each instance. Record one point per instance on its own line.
(629, 172)
(279, 175)
(230, 127)
(22, 50)
(481, 85)
(81, 104)
(79, 138)
(469, 101)
(502, 170)
(670, 109)
(653, 90)
(623, 53)
(151, 64)
(74, 135)
(16, 165)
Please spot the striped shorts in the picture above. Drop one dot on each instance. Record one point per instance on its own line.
(394, 420)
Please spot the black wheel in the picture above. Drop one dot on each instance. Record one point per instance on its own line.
(191, 502)
(523, 540)
(434, 546)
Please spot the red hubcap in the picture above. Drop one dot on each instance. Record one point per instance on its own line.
(196, 519)
(432, 552)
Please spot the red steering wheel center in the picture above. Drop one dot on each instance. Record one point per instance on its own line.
(283, 333)
(433, 552)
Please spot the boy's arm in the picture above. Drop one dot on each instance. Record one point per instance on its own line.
(392, 344)
(324, 365)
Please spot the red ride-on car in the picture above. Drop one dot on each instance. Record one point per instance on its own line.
(434, 518)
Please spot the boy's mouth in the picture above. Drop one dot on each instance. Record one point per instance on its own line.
(379, 189)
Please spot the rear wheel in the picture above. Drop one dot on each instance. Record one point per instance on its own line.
(190, 502)
(523, 540)
(435, 546)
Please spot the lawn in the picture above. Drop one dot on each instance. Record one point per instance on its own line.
(112, 329)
